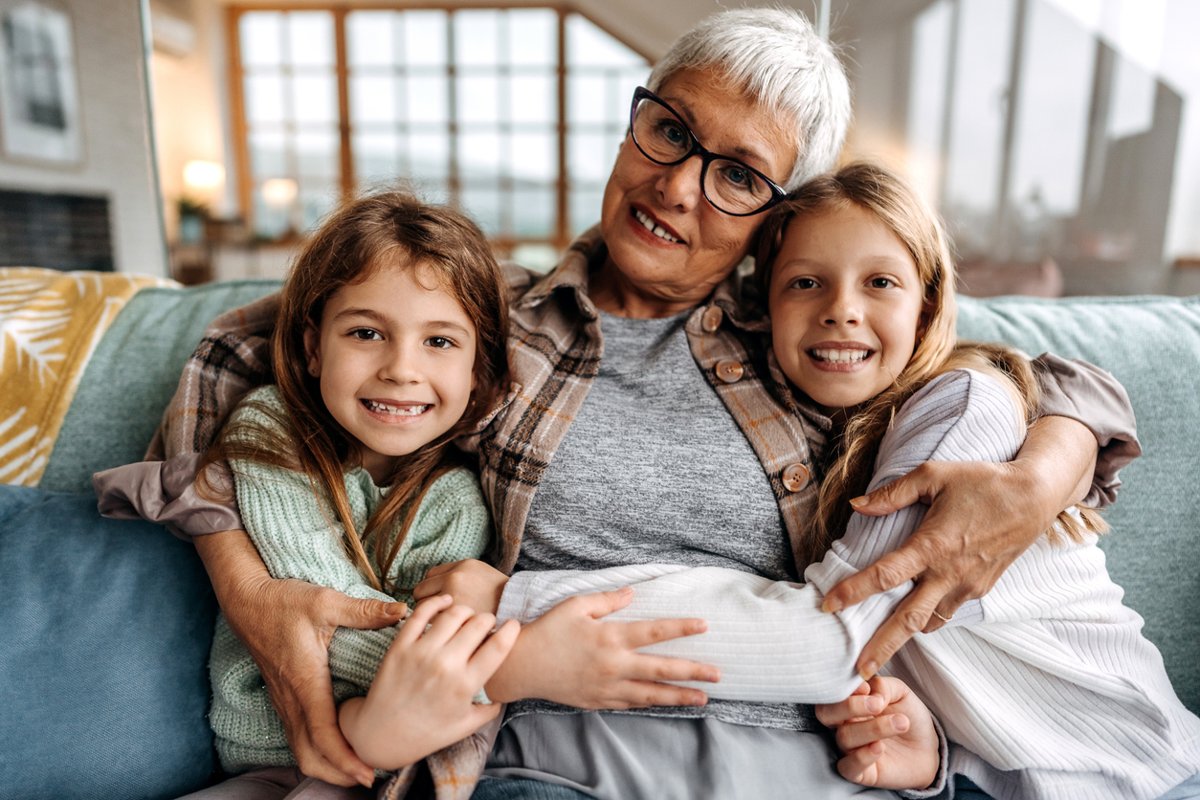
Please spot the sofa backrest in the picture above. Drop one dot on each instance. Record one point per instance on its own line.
(132, 375)
(1151, 344)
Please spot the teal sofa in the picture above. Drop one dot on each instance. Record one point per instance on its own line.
(105, 625)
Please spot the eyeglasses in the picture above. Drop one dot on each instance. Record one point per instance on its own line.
(729, 185)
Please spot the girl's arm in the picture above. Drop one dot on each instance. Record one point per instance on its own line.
(771, 640)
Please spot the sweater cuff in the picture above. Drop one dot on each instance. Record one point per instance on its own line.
(941, 788)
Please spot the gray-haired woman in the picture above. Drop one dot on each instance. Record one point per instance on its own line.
(645, 426)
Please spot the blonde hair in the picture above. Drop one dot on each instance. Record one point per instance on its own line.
(381, 230)
(852, 460)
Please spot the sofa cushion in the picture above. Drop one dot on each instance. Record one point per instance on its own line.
(1152, 346)
(132, 375)
(104, 634)
(50, 321)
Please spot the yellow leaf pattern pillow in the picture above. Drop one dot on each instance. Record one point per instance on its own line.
(50, 323)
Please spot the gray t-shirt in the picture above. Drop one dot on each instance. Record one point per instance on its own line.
(654, 469)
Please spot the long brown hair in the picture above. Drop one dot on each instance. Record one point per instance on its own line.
(381, 230)
(851, 462)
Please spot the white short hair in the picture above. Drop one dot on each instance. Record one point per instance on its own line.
(775, 56)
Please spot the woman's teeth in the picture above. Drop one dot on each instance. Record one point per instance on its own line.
(395, 411)
(841, 356)
(657, 230)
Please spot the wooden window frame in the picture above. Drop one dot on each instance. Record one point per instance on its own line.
(504, 244)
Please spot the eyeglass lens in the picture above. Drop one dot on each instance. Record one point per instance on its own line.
(728, 184)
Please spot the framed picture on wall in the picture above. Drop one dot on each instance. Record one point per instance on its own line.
(39, 97)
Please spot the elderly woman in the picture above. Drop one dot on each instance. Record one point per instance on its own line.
(644, 427)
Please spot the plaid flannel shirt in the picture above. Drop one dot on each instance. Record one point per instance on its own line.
(554, 350)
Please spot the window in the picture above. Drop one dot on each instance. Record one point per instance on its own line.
(514, 114)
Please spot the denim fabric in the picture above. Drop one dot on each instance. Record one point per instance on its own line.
(508, 789)
(1188, 790)
(104, 634)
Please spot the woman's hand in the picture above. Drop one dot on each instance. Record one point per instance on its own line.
(886, 735)
(287, 627)
(981, 517)
(471, 583)
(572, 656)
(421, 698)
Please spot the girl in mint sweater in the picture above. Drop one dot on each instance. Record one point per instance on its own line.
(389, 344)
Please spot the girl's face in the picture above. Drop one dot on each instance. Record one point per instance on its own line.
(846, 305)
(395, 356)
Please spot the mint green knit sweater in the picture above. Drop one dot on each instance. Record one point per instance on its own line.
(297, 535)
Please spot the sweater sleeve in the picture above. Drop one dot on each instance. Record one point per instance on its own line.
(770, 639)
(1096, 400)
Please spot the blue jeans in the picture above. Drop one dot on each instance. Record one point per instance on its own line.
(524, 789)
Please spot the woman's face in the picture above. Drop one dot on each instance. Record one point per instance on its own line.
(667, 246)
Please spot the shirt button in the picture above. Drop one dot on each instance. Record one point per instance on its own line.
(711, 319)
(730, 371)
(795, 477)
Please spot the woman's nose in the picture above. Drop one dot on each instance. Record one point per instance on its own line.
(679, 185)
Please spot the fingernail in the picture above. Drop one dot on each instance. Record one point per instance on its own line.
(858, 502)
(831, 605)
(868, 670)
(900, 723)
(875, 704)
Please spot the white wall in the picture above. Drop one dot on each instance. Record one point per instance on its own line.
(189, 94)
(116, 161)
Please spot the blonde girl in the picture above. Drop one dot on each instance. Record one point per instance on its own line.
(389, 344)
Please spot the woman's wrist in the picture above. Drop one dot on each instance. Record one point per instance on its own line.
(1055, 465)
(233, 564)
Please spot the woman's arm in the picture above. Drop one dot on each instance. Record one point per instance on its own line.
(287, 626)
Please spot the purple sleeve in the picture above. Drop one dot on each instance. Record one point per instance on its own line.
(1095, 399)
(165, 492)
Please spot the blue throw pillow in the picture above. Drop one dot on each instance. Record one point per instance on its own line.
(105, 628)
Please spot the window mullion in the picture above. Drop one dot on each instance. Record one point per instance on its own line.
(348, 179)
(562, 227)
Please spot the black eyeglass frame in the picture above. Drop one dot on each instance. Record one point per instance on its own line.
(706, 156)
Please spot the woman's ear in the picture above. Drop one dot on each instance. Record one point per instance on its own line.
(312, 349)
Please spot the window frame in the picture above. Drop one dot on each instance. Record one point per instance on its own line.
(347, 182)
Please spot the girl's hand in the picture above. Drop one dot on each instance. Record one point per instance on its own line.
(886, 734)
(421, 699)
(572, 656)
(471, 583)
